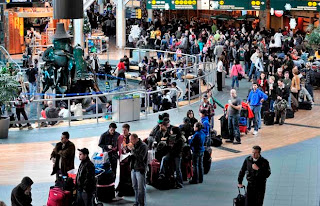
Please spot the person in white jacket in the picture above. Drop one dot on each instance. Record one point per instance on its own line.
(64, 113)
(77, 110)
(253, 59)
(259, 66)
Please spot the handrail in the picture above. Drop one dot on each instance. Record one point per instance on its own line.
(143, 94)
(9, 57)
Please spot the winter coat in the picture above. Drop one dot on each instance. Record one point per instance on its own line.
(86, 177)
(18, 197)
(107, 139)
(255, 176)
(139, 157)
(64, 155)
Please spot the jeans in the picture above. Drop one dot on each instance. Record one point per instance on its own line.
(271, 107)
(84, 199)
(247, 68)
(233, 126)
(32, 88)
(235, 80)
(309, 87)
(289, 100)
(252, 68)
(165, 164)
(180, 74)
(139, 186)
(197, 161)
(257, 75)
(257, 117)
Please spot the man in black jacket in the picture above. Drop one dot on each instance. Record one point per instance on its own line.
(85, 182)
(21, 194)
(258, 170)
(139, 158)
(109, 143)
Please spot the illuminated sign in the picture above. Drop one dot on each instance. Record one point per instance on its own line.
(297, 5)
(172, 4)
(238, 5)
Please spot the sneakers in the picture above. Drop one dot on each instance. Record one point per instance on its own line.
(255, 132)
(229, 141)
(237, 143)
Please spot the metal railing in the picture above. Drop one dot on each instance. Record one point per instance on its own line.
(210, 78)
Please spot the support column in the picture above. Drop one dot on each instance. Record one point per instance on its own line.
(78, 32)
(150, 14)
(121, 25)
(101, 6)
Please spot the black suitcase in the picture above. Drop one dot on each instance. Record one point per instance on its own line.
(289, 114)
(224, 127)
(216, 140)
(105, 186)
(264, 108)
(240, 200)
(268, 118)
(305, 105)
(207, 160)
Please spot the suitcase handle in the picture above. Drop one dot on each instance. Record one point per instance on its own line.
(244, 188)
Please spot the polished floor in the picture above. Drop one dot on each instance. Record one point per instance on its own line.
(295, 168)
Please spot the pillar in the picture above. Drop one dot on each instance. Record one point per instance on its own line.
(121, 25)
(78, 32)
(150, 14)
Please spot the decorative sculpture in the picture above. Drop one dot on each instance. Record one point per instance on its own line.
(65, 68)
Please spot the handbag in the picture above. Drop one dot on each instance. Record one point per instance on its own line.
(294, 90)
(240, 76)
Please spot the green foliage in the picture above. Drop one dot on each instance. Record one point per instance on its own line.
(86, 24)
(9, 86)
(314, 38)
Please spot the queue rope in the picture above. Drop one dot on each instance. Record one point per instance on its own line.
(74, 94)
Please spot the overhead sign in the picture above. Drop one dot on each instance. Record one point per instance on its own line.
(172, 4)
(183, 4)
(297, 5)
(238, 5)
(157, 4)
(18, 1)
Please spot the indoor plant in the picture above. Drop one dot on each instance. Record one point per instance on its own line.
(8, 91)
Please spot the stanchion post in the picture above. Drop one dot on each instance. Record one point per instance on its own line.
(69, 113)
(97, 109)
(189, 91)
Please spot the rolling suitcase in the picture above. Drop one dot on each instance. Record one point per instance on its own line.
(289, 114)
(207, 160)
(59, 197)
(155, 169)
(305, 105)
(186, 163)
(224, 127)
(105, 186)
(240, 200)
(243, 129)
(186, 170)
(268, 118)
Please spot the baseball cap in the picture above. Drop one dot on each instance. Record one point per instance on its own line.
(205, 96)
(84, 151)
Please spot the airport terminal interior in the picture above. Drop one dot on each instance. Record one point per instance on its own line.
(159, 102)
